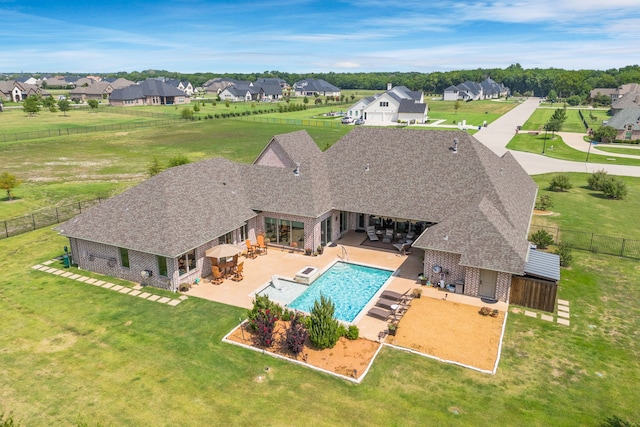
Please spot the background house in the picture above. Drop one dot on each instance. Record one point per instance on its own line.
(397, 104)
(472, 91)
(311, 87)
(627, 123)
(148, 92)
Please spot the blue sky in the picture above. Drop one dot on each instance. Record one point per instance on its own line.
(316, 36)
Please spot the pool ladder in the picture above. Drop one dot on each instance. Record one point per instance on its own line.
(345, 255)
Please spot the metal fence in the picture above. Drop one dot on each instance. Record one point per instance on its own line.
(294, 122)
(44, 218)
(583, 240)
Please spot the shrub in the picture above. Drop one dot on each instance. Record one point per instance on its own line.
(342, 330)
(296, 335)
(542, 239)
(353, 332)
(597, 180)
(564, 252)
(265, 323)
(615, 188)
(187, 113)
(260, 304)
(560, 182)
(178, 160)
(324, 331)
(544, 202)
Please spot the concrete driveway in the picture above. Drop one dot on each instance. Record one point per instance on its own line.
(497, 135)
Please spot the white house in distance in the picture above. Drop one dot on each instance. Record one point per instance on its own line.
(311, 87)
(472, 91)
(398, 104)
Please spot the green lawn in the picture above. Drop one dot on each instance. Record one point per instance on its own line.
(621, 150)
(75, 354)
(583, 209)
(555, 147)
(573, 123)
(474, 112)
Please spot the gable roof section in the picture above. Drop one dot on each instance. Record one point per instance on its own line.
(170, 213)
(149, 87)
(315, 85)
(628, 116)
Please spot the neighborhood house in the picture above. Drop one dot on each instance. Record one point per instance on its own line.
(441, 192)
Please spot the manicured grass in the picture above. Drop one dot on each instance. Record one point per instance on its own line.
(583, 209)
(474, 112)
(556, 148)
(573, 123)
(77, 354)
(621, 150)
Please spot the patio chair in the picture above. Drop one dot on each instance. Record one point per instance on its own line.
(262, 247)
(397, 296)
(218, 277)
(410, 236)
(403, 248)
(388, 236)
(387, 304)
(380, 313)
(251, 252)
(371, 232)
(237, 273)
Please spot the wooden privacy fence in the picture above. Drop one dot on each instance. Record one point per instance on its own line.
(533, 293)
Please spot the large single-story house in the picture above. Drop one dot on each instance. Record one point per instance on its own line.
(13, 90)
(148, 92)
(473, 91)
(97, 91)
(248, 91)
(469, 209)
(311, 87)
(627, 123)
(397, 104)
(616, 92)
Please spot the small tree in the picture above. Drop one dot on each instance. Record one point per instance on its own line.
(542, 239)
(296, 335)
(186, 113)
(226, 103)
(93, 104)
(196, 107)
(8, 182)
(597, 180)
(606, 134)
(31, 105)
(615, 188)
(564, 252)
(154, 167)
(560, 182)
(178, 160)
(552, 96)
(49, 102)
(456, 106)
(305, 100)
(544, 202)
(324, 331)
(64, 106)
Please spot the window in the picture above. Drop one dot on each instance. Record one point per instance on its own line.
(284, 232)
(187, 262)
(384, 103)
(124, 257)
(162, 265)
(226, 238)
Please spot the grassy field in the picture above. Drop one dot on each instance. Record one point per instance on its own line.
(573, 123)
(74, 354)
(557, 149)
(621, 150)
(475, 113)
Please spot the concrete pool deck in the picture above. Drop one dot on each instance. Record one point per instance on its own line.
(258, 272)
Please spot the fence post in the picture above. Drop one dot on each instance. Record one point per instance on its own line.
(6, 229)
(33, 221)
(57, 217)
(591, 243)
(79, 207)
(557, 234)
(622, 249)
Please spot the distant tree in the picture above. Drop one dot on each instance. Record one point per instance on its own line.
(601, 100)
(606, 134)
(318, 101)
(8, 182)
(553, 126)
(305, 100)
(226, 103)
(542, 239)
(93, 104)
(574, 100)
(187, 113)
(353, 97)
(48, 102)
(154, 167)
(31, 105)
(456, 106)
(178, 160)
(552, 96)
(196, 107)
(64, 106)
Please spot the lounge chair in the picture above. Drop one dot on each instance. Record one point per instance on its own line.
(388, 236)
(410, 237)
(380, 313)
(275, 281)
(397, 296)
(403, 248)
(388, 304)
(371, 232)
(262, 247)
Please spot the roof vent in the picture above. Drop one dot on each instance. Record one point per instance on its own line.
(296, 171)
(455, 145)
(366, 168)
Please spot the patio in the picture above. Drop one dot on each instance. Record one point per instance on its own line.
(285, 263)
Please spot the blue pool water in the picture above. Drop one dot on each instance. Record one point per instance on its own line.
(349, 286)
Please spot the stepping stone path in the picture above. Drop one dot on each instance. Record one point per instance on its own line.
(133, 291)
(562, 312)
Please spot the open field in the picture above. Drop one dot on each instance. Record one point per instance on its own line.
(475, 112)
(73, 354)
(573, 123)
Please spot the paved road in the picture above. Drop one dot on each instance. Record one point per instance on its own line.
(497, 135)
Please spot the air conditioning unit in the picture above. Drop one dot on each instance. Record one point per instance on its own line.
(146, 273)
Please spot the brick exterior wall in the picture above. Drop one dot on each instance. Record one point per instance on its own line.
(470, 275)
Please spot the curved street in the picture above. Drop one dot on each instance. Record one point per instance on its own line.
(497, 135)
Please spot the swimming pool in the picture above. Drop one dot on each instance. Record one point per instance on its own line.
(349, 286)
